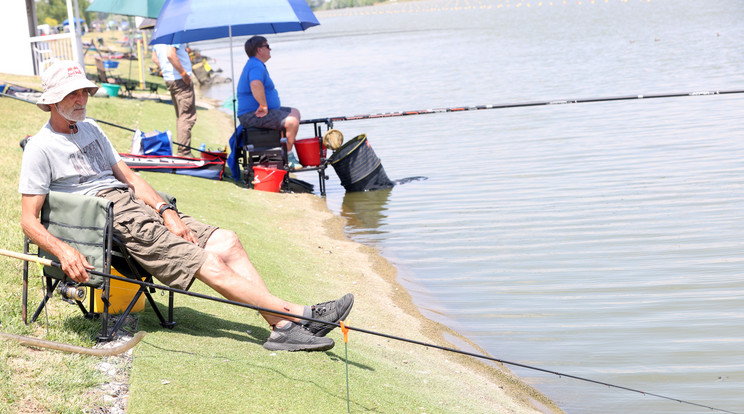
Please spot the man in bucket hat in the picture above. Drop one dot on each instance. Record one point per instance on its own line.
(71, 154)
(60, 80)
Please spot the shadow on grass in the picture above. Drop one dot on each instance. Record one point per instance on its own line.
(196, 323)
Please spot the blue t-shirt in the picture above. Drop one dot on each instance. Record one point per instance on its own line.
(254, 69)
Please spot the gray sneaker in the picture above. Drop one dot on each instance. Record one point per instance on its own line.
(333, 312)
(295, 337)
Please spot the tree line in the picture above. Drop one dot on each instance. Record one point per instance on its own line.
(50, 11)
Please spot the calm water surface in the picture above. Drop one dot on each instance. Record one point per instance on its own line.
(602, 240)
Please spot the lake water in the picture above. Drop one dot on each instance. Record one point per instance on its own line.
(603, 240)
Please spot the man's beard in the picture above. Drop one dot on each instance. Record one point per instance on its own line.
(72, 115)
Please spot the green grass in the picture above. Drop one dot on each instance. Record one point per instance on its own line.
(212, 127)
(213, 360)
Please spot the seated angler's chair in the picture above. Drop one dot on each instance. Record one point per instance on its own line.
(268, 148)
(86, 223)
(263, 148)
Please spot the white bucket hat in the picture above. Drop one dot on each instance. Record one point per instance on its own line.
(61, 78)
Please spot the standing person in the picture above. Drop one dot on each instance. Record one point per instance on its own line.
(258, 100)
(175, 64)
(71, 154)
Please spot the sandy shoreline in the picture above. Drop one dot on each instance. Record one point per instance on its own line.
(319, 230)
(381, 305)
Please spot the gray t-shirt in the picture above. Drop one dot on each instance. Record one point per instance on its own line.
(77, 163)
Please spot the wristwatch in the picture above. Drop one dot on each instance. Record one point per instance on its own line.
(165, 206)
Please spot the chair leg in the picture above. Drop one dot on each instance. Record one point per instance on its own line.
(171, 323)
(24, 294)
(105, 314)
(321, 180)
(167, 324)
(249, 171)
(285, 152)
(24, 299)
(122, 317)
(51, 284)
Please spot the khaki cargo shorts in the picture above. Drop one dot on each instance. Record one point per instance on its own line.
(169, 258)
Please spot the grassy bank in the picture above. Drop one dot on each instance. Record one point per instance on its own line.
(213, 360)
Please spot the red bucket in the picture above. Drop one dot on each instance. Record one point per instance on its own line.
(308, 151)
(268, 179)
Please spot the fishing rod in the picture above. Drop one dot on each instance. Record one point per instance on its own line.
(47, 262)
(100, 121)
(329, 121)
(97, 120)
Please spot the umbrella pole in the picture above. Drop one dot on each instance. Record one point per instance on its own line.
(232, 78)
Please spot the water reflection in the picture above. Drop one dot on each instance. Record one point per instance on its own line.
(366, 211)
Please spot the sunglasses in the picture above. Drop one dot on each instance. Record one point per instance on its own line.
(266, 46)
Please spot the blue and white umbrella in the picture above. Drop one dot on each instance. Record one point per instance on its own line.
(183, 21)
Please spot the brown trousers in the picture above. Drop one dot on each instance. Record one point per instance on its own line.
(184, 101)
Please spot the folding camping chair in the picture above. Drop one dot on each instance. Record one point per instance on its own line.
(86, 223)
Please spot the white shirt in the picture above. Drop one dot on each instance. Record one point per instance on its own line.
(169, 72)
(72, 163)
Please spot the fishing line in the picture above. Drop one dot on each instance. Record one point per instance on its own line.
(329, 121)
(97, 120)
(345, 328)
(113, 125)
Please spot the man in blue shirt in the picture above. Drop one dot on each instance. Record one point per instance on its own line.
(258, 100)
(174, 62)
